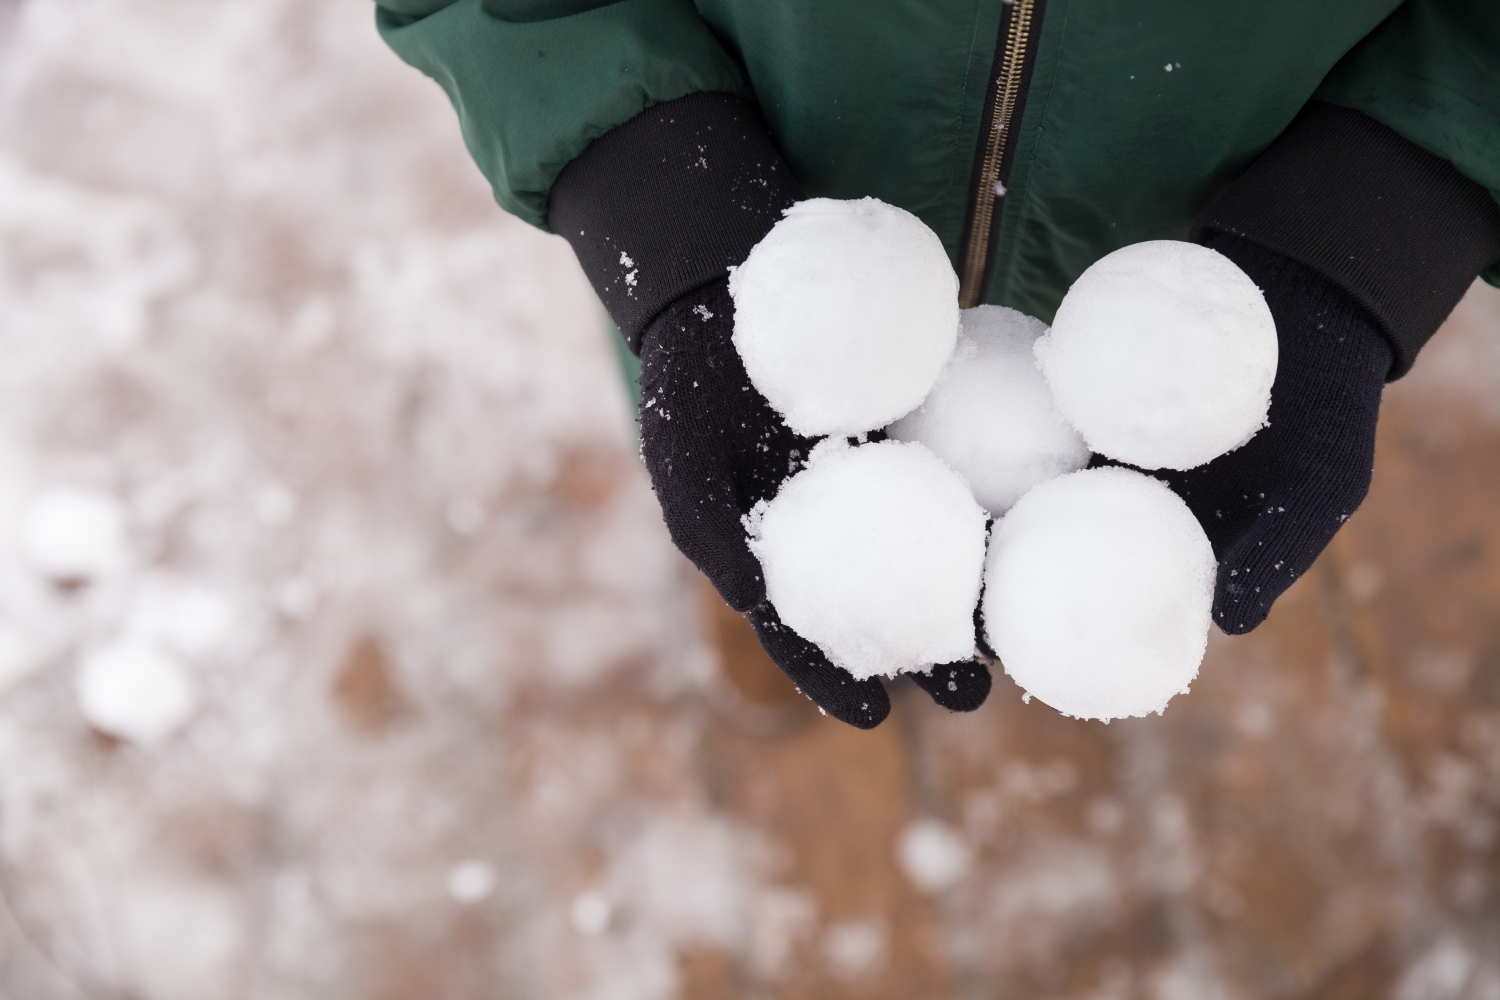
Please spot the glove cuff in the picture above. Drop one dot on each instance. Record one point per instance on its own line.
(1397, 229)
(668, 201)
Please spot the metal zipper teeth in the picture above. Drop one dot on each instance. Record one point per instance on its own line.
(987, 198)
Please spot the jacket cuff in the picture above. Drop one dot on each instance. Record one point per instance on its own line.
(1397, 229)
(669, 201)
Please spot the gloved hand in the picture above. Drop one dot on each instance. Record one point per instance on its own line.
(657, 210)
(715, 448)
(1270, 507)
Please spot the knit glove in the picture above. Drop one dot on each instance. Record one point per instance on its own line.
(1362, 243)
(1270, 507)
(657, 210)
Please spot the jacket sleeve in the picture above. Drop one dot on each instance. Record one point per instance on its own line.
(535, 81)
(1431, 73)
(1388, 183)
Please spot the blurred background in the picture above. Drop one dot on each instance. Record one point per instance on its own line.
(343, 653)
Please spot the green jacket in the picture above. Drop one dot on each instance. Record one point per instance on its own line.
(1136, 116)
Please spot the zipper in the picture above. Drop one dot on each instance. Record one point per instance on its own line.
(1020, 21)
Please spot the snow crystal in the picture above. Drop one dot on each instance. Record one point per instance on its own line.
(1162, 354)
(991, 415)
(874, 553)
(933, 856)
(73, 535)
(471, 881)
(1098, 588)
(845, 313)
(134, 691)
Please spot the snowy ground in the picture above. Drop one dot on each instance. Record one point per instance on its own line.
(294, 422)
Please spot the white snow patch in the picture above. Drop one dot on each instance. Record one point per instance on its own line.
(590, 913)
(134, 691)
(471, 881)
(855, 948)
(73, 535)
(933, 855)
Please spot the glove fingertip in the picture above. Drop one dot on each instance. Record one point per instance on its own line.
(959, 687)
(863, 704)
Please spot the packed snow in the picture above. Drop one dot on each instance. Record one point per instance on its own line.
(135, 692)
(1098, 588)
(845, 313)
(1162, 354)
(874, 553)
(991, 415)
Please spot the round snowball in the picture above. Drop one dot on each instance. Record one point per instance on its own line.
(844, 314)
(1162, 354)
(875, 554)
(1098, 590)
(991, 416)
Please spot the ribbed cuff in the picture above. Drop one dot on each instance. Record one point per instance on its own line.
(1396, 228)
(669, 201)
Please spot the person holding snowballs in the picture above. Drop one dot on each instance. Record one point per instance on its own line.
(1344, 154)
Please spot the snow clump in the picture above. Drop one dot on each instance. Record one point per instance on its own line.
(1098, 588)
(135, 692)
(875, 554)
(73, 535)
(933, 855)
(1162, 354)
(991, 415)
(845, 313)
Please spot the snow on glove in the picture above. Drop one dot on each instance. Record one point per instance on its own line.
(1362, 243)
(657, 210)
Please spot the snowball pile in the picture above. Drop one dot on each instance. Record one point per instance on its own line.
(1098, 583)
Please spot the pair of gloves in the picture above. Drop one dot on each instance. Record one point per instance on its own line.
(659, 208)
(714, 448)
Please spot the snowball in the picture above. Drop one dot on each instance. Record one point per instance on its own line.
(991, 416)
(135, 692)
(1098, 588)
(844, 314)
(933, 856)
(1162, 354)
(875, 554)
(73, 535)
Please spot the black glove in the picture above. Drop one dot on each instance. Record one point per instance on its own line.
(1362, 243)
(715, 448)
(1270, 507)
(657, 210)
